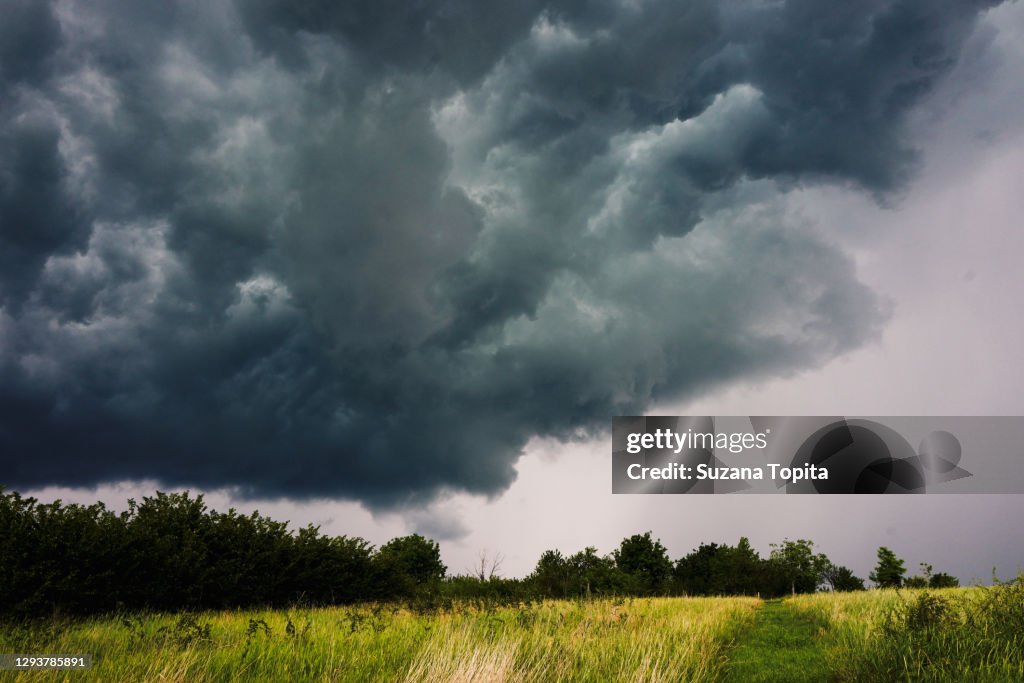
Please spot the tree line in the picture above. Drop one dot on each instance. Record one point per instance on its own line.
(641, 566)
(171, 552)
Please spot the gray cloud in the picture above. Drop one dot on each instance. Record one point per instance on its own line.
(441, 526)
(370, 250)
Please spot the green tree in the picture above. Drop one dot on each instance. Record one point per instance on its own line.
(415, 557)
(943, 580)
(645, 561)
(167, 547)
(714, 569)
(252, 561)
(551, 575)
(593, 574)
(741, 569)
(842, 578)
(697, 572)
(889, 571)
(796, 564)
(929, 579)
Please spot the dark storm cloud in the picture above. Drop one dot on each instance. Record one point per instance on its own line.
(461, 38)
(369, 249)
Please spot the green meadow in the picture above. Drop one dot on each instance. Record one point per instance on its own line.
(968, 634)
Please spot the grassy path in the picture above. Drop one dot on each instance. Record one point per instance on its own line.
(782, 645)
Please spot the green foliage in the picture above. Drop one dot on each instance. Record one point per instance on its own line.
(977, 634)
(409, 565)
(796, 567)
(792, 567)
(594, 574)
(943, 580)
(889, 571)
(698, 573)
(929, 579)
(841, 578)
(54, 555)
(171, 552)
(583, 574)
(645, 563)
(484, 594)
(551, 577)
(714, 569)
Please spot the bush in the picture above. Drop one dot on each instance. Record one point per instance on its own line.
(978, 635)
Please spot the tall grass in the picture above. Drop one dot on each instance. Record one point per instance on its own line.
(657, 639)
(973, 634)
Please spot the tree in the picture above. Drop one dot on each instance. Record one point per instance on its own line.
(919, 581)
(741, 569)
(406, 565)
(796, 563)
(591, 573)
(166, 541)
(551, 575)
(842, 578)
(943, 580)
(929, 579)
(696, 573)
(645, 561)
(414, 556)
(889, 571)
(714, 569)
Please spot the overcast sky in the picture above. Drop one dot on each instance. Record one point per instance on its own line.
(393, 269)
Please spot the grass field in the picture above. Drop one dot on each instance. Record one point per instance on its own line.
(959, 634)
(600, 640)
(950, 635)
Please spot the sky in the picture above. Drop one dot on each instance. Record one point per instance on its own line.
(392, 268)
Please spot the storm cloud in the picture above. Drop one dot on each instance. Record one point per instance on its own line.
(369, 249)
